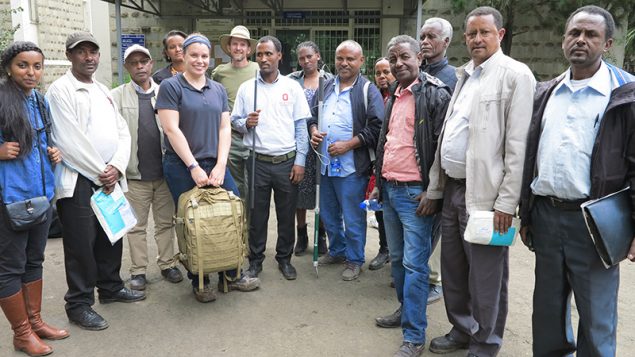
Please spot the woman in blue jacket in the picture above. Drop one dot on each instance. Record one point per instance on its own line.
(26, 161)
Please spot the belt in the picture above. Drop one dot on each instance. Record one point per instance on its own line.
(460, 181)
(404, 183)
(565, 205)
(275, 159)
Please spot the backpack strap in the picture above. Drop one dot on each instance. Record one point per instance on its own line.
(617, 73)
(371, 152)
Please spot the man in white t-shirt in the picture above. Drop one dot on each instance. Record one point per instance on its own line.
(95, 143)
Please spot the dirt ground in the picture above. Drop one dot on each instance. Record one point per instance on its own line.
(305, 317)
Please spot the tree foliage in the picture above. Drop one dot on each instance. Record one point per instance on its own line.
(6, 35)
(551, 14)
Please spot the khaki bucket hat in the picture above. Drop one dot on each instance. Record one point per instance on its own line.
(239, 31)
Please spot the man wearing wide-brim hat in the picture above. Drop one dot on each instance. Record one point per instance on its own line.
(238, 45)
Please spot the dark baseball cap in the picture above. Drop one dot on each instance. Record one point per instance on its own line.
(76, 38)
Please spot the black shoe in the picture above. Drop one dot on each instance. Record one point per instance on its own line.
(322, 249)
(447, 344)
(390, 321)
(87, 319)
(287, 270)
(302, 241)
(379, 261)
(172, 275)
(123, 295)
(254, 270)
(138, 282)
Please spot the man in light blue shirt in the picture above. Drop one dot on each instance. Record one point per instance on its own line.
(349, 128)
(580, 147)
(281, 144)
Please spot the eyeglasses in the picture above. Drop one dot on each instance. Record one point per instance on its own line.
(143, 62)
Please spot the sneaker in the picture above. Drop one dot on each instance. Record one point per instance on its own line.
(328, 259)
(371, 222)
(351, 272)
(205, 295)
(435, 293)
(172, 275)
(246, 283)
(379, 261)
(409, 349)
(138, 282)
(254, 270)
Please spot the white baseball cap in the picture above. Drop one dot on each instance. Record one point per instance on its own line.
(135, 48)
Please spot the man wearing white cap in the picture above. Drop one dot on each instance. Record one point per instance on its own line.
(146, 185)
(238, 45)
(95, 143)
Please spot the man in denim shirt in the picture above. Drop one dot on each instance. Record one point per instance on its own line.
(349, 128)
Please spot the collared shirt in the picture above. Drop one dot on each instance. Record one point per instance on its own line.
(200, 113)
(141, 90)
(337, 123)
(457, 129)
(101, 130)
(443, 71)
(400, 163)
(282, 120)
(569, 126)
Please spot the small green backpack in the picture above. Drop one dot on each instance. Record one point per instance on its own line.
(210, 230)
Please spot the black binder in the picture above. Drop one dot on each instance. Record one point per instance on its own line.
(610, 224)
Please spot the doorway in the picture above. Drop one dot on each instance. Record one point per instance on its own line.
(290, 39)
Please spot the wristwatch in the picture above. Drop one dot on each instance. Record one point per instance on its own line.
(192, 166)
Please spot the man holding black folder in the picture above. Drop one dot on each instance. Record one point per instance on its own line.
(580, 147)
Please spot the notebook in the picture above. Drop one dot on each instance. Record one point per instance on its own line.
(610, 223)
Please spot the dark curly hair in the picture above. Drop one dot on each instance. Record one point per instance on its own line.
(165, 42)
(14, 121)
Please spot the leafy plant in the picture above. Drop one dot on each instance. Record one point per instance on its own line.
(6, 35)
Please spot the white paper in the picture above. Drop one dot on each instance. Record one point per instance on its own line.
(113, 212)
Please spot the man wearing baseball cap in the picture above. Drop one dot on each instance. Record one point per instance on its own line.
(237, 45)
(146, 185)
(95, 143)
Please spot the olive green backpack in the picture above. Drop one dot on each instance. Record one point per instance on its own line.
(210, 229)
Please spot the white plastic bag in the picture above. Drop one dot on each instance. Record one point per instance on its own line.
(480, 230)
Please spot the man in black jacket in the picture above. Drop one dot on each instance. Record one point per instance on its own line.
(353, 111)
(580, 146)
(407, 143)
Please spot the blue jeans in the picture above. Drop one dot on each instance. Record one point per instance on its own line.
(179, 180)
(339, 207)
(409, 237)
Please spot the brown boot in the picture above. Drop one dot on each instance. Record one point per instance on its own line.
(33, 299)
(24, 339)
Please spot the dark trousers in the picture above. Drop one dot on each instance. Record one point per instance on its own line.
(474, 279)
(89, 258)
(383, 244)
(21, 255)
(179, 180)
(268, 177)
(566, 261)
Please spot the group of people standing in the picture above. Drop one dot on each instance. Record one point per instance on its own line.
(441, 143)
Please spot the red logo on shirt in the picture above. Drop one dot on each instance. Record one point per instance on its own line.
(285, 97)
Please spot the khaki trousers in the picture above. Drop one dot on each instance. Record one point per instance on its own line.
(142, 196)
